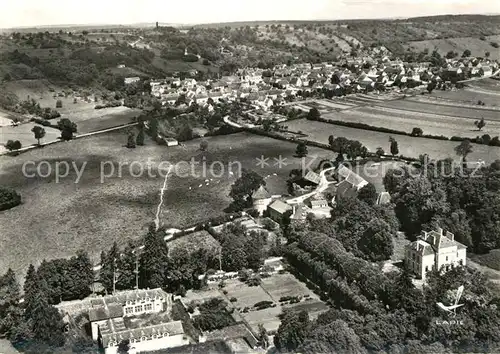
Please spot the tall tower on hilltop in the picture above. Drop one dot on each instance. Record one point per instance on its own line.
(156, 24)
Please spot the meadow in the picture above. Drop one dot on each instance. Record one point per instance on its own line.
(57, 218)
(408, 146)
(422, 107)
(402, 120)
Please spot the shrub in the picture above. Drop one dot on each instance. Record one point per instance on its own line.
(233, 299)
(263, 305)
(9, 198)
(494, 44)
(59, 104)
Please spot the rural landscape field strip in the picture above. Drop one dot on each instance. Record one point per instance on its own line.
(468, 96)
(441, 109)
(402, 120)
(408, 146)
(449, 102)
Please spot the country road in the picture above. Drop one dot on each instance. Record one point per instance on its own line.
(77, 136)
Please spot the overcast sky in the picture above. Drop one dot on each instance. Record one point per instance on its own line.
(17, 13)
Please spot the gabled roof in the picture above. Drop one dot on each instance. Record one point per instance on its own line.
(280, 207)
(169, 328)
(261, 193)
(312, 176)
(351, 177)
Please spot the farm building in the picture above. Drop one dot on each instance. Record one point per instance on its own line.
(171, 142)
(277, 209)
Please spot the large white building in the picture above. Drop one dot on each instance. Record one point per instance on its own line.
(151, 338)
(113, 319)
(434, 250)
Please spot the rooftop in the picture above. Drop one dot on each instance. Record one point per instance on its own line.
(151, 332)
(261, 193)
(280, 207)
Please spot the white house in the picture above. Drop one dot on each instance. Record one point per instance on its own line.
(145, 339)
(131, 80)
(124, 304)
(434, 250)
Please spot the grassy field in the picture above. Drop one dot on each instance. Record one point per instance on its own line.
(471, 95)
(57, 219)
(408, 146)
(421, 107)
(24, 134)
(399, 119)
(83, 113)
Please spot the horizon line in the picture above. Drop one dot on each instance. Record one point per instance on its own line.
(133, 24)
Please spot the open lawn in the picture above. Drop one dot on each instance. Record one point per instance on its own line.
(24, 134)
(408, 146)
(470, 94)
(58, 218)
(402, 120)
(280, 285)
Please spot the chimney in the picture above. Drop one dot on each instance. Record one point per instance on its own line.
(450, 235)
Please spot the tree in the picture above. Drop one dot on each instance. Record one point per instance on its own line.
(10, 310)
(376, 241)
(12, 145)
(245, 186)
(45, 321)
(464, 149)
(131, 140)
(313, 114)
(418, 202)
(431, 86)
(487, 54)
(127, 265)
(153, 264)
(417, 132)
(380, 152)
(466, 53)
(394, 146)
(292, 331)
(368, 194)
(140, 137)
(480, 124)
(263, 337)
(59, 104)
(335, 337)
(185, 133)
(331, 140)
(39, 133)
(124, 345)
(67, 128)
(203, 145)
(301, 150)
(108, 270)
